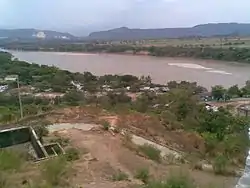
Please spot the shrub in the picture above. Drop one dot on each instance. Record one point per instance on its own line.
(72, 154)
(41, 130)
(151, 152)
(54, 171)
(220, 165)
(61, 140)
(143, 175)
(105, 125)
(180, 182)
(10, 160)
(120, 176)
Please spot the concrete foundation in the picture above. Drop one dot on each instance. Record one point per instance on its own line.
(23, 136)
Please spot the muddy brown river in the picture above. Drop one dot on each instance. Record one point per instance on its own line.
(206, 72)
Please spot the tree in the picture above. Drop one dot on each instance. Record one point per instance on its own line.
(218, 92)
(141, 104)
(128, 78)
(172, 84)
(73, 97)
(246, 90)
(30, 109)
(234, 91)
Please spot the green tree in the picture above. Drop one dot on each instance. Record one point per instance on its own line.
(218, 92)
(73, 97)
(234, 91)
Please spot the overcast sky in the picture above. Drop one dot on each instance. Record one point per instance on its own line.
(105, 14)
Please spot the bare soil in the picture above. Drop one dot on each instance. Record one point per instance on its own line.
(107, 155)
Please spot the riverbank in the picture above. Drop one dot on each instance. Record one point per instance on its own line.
(200, 52)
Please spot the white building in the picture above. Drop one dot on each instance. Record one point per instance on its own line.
(3, 88)
(40, 35)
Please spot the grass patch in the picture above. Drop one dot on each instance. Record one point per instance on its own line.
(120, 176)
(179, 181)
(151, 152)
(54, 171)
(143, 175)
(72, 154)
(10, 160)
(4, 181)
(220, 165)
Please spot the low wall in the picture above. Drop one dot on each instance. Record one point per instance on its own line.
(21, 135)
(37, 145)
(14, 136)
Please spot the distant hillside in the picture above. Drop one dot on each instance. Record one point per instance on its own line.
(33, 33)
(206, 30)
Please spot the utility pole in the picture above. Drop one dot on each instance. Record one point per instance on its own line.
(19, 98)
(15, 78)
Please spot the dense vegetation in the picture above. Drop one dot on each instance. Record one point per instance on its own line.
(223, 133)
(226, 53)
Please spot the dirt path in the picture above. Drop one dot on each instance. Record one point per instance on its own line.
(67, 126)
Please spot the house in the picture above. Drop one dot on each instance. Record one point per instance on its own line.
(77, 85)
(11, 78)
(49, 95)
(145, 89)
(164, 89)
(211, 107)
(205, 96)
(3, 88)
(128, 88)
(107, 88)
(244, 110)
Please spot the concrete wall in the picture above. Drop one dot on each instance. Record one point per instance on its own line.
(37, 145)
(14, 136)
(21, 135)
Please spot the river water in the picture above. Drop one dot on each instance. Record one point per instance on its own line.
(205, 72)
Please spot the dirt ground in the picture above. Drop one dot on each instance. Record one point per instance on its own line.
(136, 123)
(106, 155)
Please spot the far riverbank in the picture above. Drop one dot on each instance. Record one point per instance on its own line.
(205, 72)
(201, 52)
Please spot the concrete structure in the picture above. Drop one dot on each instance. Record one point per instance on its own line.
(26, 135)
(244, 110)
(3, 88)
(40, 35)
(211, 107)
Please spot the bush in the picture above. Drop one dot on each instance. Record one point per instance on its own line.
(72, 154)
(41, 130)
(10, 160)
(220, 165)
(151, 152)
(105, 125)
(143, 175)
(73, 97)
(120, 176)
(54, 171)
(61, 140)
(180, 182)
